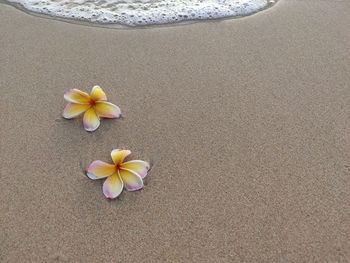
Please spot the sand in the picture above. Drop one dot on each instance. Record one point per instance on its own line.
(246, 123)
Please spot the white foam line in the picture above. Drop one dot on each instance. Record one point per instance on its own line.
(143, 12)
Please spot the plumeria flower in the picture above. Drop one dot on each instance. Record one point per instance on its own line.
(94, 107)
(119, 175)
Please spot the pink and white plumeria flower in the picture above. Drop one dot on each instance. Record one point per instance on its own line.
(94, 107)
(128, 175)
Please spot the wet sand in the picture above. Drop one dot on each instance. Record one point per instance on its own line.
(246, 123)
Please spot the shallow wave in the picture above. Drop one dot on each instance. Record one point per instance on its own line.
(143, 12)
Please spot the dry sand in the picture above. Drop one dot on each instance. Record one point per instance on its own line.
(246, 123)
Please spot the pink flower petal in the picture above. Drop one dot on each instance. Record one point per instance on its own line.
(106, 109)
(113, 186)
(91, 120)
(98, 94)
(99, 170)
(137, 166)
(77, 96)
(132, 181)
(118, 156)
(73, 110)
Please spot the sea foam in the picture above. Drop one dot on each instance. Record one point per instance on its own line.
(143, 12)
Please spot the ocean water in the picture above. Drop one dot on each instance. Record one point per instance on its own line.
(143, 12)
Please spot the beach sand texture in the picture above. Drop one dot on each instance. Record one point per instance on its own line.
(246, 123)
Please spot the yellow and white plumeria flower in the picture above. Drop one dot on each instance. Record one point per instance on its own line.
(94, 107)
(128, 175)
